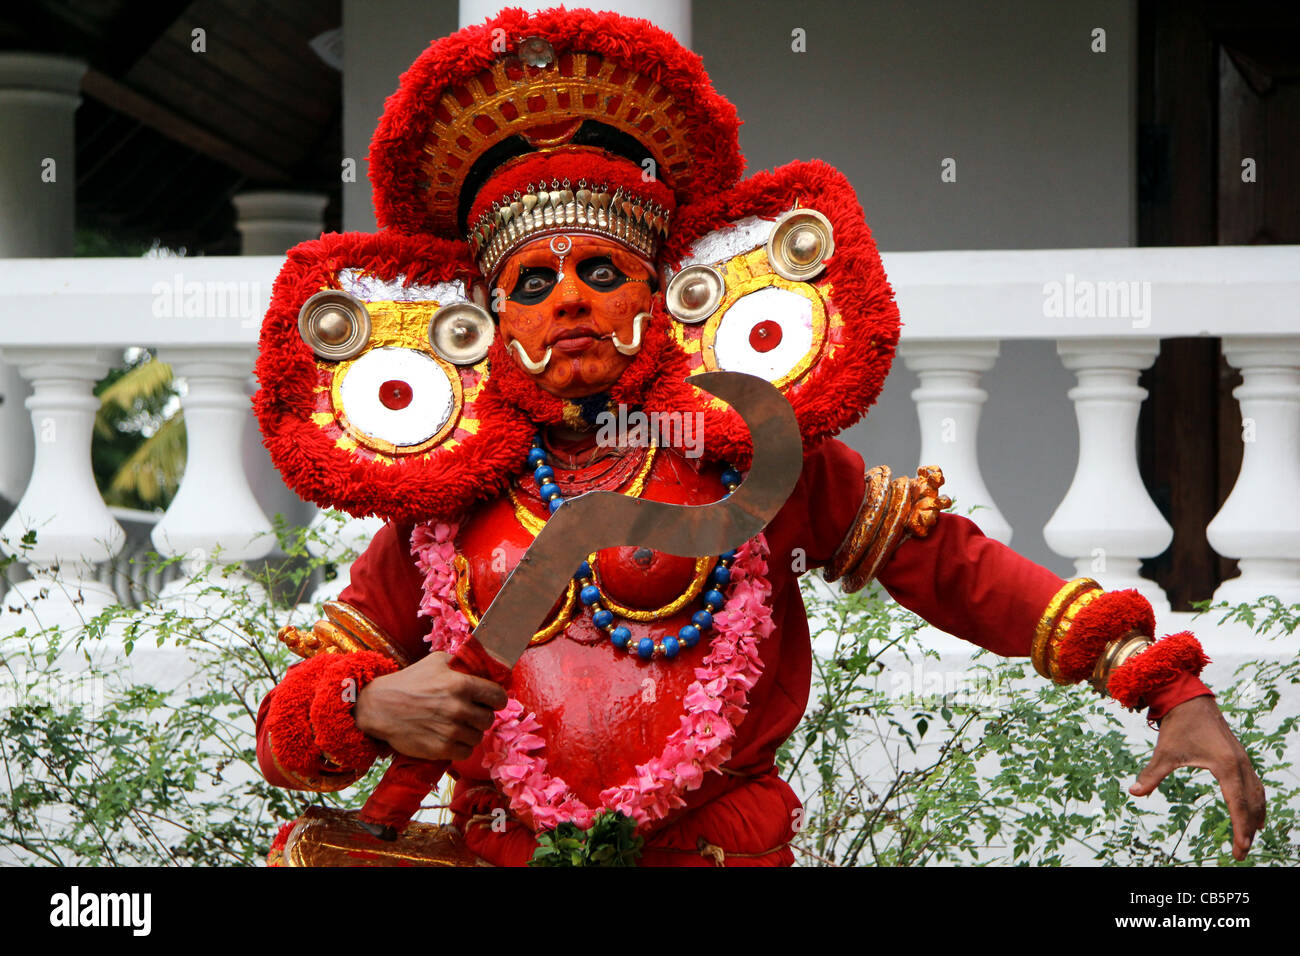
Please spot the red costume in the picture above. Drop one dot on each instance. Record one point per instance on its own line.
(660, 687)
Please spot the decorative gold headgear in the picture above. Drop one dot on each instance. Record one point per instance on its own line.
(545, 97)
(616, 214)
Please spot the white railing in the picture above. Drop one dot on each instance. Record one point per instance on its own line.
(62, 321)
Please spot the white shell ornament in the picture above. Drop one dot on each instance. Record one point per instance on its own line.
(694, 293)
(800, 242)
(461, 333)
(335, 324)
(399, 396)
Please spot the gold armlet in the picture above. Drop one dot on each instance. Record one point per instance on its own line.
(891, 511)
(344, 631)
(1117, 652)
(1055, 623)
(865, 526)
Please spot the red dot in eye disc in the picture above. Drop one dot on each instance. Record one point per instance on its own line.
(395, 394)
(765, 336)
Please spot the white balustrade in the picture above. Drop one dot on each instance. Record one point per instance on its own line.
(61, 507)
(957, 308)
(948, 404)
(1259, 524)
(342, 539)
(214, 517)
(1107, 522)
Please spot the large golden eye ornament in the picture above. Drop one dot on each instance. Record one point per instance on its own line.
(801, 241)
(694, 293)
(336, 325)
(461, 333)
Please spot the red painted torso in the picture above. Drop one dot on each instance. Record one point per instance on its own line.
(603, 710)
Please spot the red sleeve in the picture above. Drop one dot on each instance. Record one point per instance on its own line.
(821, 509)
(971, 586)
(978, 589)
(387, 588)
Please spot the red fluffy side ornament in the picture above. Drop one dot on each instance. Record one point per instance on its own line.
(303, 431)
(843, 379)
(289, 719)
(310, 720)
(1164, 661)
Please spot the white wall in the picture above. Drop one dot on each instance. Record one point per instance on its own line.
(1043, 132)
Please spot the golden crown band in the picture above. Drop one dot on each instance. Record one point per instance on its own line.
(614, 214)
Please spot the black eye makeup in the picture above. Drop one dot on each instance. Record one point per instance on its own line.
(601, 274)
(534, 285)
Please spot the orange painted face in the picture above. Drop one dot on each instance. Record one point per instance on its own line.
(571, 311)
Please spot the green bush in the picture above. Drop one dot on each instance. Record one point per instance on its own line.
(1008, 768)
(116, 770)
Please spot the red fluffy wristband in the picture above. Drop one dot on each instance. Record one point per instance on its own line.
(337, 686)
(1155, 667)
(1109, 616)
(289, 718)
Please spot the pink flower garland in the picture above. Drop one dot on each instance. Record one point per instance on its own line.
(715, 703)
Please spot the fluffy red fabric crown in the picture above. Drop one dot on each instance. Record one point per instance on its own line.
(523, 82)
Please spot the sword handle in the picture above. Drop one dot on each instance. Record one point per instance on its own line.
(408, 780)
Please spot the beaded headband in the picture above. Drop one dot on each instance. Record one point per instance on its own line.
(598, 210)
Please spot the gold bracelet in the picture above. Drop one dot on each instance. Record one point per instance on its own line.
(910, 509)
(1063, 628)
(893, 530)
(1117, 653)
(1041, 649)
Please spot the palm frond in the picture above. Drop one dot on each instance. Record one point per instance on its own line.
(139, 384)
(152, 472)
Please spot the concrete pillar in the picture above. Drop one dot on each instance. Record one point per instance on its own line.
(271, 222)
(671, 15)
(38, 97)
(1107, 521)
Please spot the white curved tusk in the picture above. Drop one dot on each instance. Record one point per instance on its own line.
(534, 368)
(636, 335)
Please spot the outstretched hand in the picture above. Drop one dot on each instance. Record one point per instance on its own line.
(1194, 734)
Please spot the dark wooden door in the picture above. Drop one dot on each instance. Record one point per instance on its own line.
(1219, 164)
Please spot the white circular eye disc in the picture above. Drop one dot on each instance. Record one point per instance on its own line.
(399, 416)
(784, 316)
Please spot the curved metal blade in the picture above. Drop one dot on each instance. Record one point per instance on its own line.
(607, 519)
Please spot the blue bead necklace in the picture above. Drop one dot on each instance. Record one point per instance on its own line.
(647, 648)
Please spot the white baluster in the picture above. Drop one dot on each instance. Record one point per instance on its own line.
(74, 530)
(948, 406)
(214, 517)
(1107, 522)
(343, 539)
(1259, 524)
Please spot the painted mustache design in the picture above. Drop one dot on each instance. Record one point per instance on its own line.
(538, 366)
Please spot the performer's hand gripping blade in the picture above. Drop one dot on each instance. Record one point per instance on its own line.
(604, 519)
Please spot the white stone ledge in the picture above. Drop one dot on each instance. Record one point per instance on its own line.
(1213, 290)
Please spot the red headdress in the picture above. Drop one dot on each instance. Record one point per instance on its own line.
(576, 122)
